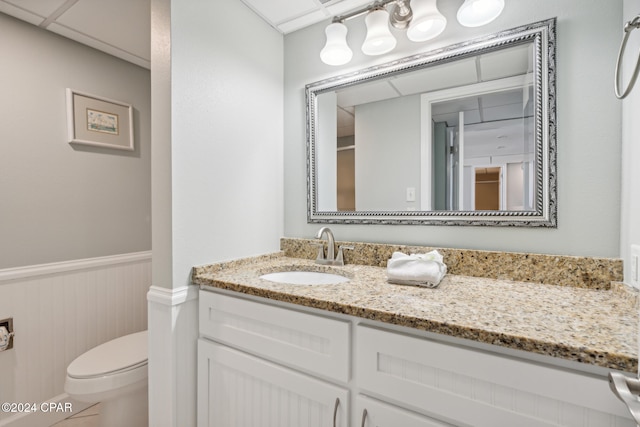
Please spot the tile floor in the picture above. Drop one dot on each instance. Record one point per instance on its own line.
(87, 418)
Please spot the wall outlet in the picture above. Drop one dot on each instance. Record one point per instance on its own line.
(635, 266)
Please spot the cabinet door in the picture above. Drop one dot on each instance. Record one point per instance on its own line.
(239, 390)
(373, 413)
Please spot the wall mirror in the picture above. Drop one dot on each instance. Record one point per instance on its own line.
(463, 135)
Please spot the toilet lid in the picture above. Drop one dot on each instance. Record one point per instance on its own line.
(120, 354)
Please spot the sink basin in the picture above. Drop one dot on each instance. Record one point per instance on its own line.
(305, 278)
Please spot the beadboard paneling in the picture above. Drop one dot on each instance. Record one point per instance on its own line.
(239, 390)
(60, 311)
(438, 379)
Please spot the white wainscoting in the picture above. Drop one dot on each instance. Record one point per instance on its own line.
(59, 311)
(173, 337)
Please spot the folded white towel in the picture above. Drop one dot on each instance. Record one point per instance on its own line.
(416, 269)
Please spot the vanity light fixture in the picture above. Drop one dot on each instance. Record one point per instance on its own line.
(379, 38)
(420, 18)
(336, 51)
(427, 22)
(475, 13)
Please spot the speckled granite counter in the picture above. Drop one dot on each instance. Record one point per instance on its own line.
(592, 326)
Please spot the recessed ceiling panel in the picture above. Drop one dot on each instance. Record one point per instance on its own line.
(344, 6)
(454, 105)
(502, 112)
(279, 11)
(365, 93)
(503, 98)
(106, 22)
(453, 74)
(506, 63)
(42, 8)
(302, 21)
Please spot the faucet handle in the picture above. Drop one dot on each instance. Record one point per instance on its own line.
(340, 257)
(320, 246)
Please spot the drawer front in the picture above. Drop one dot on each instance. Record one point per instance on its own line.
(308, 342)
(471, 387)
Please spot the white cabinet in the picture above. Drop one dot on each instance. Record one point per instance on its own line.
(310, 343)
(469, 387)
(265, 366)
(274, 365)
(239, 390)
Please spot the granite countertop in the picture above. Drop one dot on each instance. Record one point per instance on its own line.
(592, 326)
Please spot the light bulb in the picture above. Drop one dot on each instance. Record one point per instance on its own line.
(474, 13)
(427, 22)
(379, 39)
(336, 51)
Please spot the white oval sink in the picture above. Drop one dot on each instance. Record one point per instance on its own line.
(305, 278)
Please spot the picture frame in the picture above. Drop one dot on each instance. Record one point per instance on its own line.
(98, 121)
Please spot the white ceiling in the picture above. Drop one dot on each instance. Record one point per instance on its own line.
(291, 15)
(514, 61)
(122, 27)
(119, 27)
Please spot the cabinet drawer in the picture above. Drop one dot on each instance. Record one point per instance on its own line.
(311, 343)
(472, 387)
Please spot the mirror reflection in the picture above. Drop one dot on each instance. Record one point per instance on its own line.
(441, 140)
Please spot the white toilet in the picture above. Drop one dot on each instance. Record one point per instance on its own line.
(115, 374)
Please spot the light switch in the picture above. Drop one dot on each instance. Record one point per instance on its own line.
(411, 194)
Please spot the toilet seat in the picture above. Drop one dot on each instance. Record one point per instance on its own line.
(111, 358)
(116, 374)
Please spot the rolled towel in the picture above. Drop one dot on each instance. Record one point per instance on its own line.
(416, 269)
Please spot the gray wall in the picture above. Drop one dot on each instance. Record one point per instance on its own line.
(386, 133)
(57, 201)
(588, 123)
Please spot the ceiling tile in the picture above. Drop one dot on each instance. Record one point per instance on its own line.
(16, 12)
(344, 6)
(97, 44)
(303, 21)
(365, 93)
(106, 22)
(42, 8)
(507, 62)
(279, 11)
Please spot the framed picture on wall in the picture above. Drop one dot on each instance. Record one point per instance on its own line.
(98, 121)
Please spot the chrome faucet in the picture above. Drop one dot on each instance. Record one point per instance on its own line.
(330, 241)
(330, 259)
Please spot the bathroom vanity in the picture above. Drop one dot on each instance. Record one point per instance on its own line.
(476, 351)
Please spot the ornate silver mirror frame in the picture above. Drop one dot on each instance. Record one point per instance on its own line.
(543, 211)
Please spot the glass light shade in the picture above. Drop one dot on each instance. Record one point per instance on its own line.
(474, 13)
(336, 51)
(379, 38)
(427, 22)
